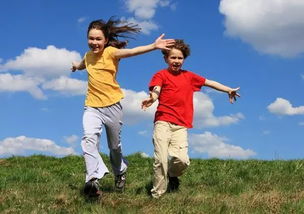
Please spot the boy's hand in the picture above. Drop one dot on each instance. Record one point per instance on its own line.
(161, 43)
(147, 103)
(233, 94)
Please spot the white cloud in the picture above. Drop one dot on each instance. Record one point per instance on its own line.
(144, 155)
(42, 69)
(66, 85)
(81, 19)
(143, 132)
(17, 83)
(72, 140)
(203, 113)
(215, 146)
(262, 118)
(27, 146)
(302, 75)
(132, 107)
(146, 26)
(266, 132)
(145, 9)
(272, 26)
(49, 62)
(283, 107)
(301, 123)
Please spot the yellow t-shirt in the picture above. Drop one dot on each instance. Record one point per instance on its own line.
(103, 89)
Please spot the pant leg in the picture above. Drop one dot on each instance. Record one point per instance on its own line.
(178, 151)
(92, 124)
(113, 125)
(161, 138)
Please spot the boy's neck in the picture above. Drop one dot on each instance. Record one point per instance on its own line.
(174, 72)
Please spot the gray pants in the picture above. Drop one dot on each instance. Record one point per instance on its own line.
(93, 120)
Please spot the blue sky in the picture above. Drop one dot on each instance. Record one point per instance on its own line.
(257, 45)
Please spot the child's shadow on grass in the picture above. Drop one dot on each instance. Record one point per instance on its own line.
(148, 188)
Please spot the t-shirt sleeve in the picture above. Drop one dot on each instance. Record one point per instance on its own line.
(197, 82)
(109, 51)
(156, 80)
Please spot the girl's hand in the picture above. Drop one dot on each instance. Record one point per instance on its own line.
(78, 65)
(233, 94)
(161, 43)
(75, 66)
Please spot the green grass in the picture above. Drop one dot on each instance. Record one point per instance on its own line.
(41, 184)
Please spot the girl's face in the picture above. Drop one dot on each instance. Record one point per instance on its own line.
(175, 60)
(96, 41)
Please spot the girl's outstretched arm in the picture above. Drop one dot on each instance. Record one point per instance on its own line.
(78, 65)
(232, 92)
(159, 43)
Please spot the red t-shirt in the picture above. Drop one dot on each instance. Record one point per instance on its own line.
(176, 96)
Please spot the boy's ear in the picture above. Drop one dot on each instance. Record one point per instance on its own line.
(165, 58)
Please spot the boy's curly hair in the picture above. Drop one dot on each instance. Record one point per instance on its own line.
(114, 28)
(179, 45)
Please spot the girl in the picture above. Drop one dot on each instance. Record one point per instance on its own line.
(102, 104)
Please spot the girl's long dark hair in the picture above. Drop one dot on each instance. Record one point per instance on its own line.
(113, 29)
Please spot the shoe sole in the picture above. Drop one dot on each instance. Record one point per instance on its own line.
(91, 190)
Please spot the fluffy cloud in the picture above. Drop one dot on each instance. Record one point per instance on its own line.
(283, 107)
(146, 25)
(145, 9)
(82, 19)
(144, 155)
(215, 146)
(72, 140)
(27, 146)
(272, 26)
(66, 85)
(49, 62)
(144, 12)
(42, 69)
(132, 107)
(17, 83)
(203, 113)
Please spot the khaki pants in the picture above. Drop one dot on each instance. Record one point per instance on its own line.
(170, 154)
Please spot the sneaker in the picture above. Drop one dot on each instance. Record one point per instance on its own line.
(120, 181)
(91, 188)
(173, 184)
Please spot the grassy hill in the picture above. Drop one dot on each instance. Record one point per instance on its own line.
(40, 184)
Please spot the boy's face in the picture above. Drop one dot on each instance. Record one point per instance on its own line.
(175, 60)
(96, 41)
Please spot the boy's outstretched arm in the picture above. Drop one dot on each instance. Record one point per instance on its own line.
(232, 92)
(159, 43)
(78, 65)
(154, 94)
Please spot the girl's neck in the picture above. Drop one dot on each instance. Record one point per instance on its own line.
(99, 54)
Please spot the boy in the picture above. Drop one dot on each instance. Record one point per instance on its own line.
(174, 88)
